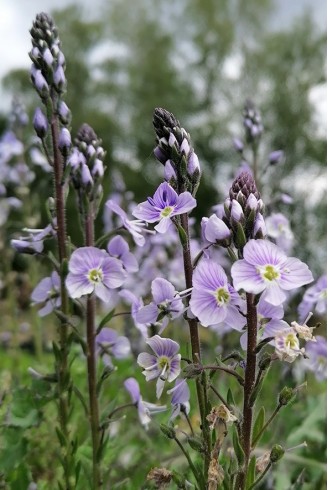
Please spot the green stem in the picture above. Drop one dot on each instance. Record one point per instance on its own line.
(225, 403)
(92, 362)
(228, 371)
(260, 478)
(191, 464)
(195, 343)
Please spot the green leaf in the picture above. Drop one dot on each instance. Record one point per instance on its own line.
(251, 472)
(182, 235)
(24, 412)
(259, 423)
(62, 439)
(105, 320)
(230, 398)
(237, 447)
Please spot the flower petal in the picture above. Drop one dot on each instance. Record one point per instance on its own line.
(161, 290)
(78, 285)
(295, 274)
(263, 252)
(246, 277)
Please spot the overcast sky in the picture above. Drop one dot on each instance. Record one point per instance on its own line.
(16, 17)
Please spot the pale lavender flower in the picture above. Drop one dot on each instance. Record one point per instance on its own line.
(213, 300)
(134, 227)
(265, 268)
(109, 343)
(93, 270)
(317, 354)
(278, 228)
(180, 398)
(40, 123)
(167, 304)
(287, 346)
(277, 156)
(65, 140)
(10, 146)
(136, 304)
(118, 248)
(145, 409)
(34, 242)
(48, 292)
(269, 322)
(314, 299)
(164, 365)
(164, 205)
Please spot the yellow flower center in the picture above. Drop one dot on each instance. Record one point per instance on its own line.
(163, 362)
(166, 212)
(291, 341)
(222, 296)
(270, 273)
(95, 275)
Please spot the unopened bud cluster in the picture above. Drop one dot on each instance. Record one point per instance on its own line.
(252, 123)
(86, 162)
(174, 151)
(243, 211)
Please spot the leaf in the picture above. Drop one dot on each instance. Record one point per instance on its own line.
(23, 410)
(237, 447)
(81, 398)
(230, 398)
(251, 472)
(105, 320)
(258, 424)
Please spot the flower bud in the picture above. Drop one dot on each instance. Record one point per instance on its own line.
(238, 145)
(259, 230)
(285, 396)
(65, 141)
(40, 123)
(236, 211)
(169, 172)
(277, 453)
(276, 157)
(193, 163)
(216, 231)
(47, 57)
(64, 113)
(59, 78)
(97, 169)
(40, 83)
(169, 432)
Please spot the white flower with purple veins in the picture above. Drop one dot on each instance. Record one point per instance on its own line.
(134, 227)
(164, 205)
(270, 322)
(287, 346)
(109, 343)
(180, 398)
(47, 291)
(145, 409)
(164, 365)
(266, 269)
(93, 271)
(167, 304)
(213, 300)
(278, 228)
(314, 299)
(119, 249)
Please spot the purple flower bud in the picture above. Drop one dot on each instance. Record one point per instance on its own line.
(193, 163)
(185, 148)
(47, 56)
(91, 150)
(238, 145)
(97, 169)
(61, 58)
(172, 140)
(259, 227)
(59, 77)
(65, 141)
(236, 211)
(169, 172)
(64, 112)
(86, 177)
(40, 123)
(276, 157)
(216, 231)
(160, 155)
(40, 82)
(252, 202)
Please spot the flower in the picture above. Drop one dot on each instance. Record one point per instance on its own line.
(220, 413)
(47, 291)
(134, 227)
(317, 357)
(119, 249)
(180, 398)
(213, 300)
(314, 299)
(216, 231)
(34, 242)
(145, 409)
(278, 228)
(93, 270)
(265, 268)
(287, 346)
(165, 204)
(109, 343)
(164, 365)
(167, 304)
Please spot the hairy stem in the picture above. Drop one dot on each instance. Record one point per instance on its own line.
(250, 376)
(62, 362)
(92, 361)
(195, 343)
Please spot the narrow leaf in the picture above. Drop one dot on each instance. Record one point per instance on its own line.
(237, 447)
(259, 423)
(251, 472)
(105, 320)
